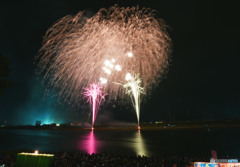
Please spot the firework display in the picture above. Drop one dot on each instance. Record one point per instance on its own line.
(94, 95)
(78, 51)
(134, 90)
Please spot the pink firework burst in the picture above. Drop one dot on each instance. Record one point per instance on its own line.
(94, 95)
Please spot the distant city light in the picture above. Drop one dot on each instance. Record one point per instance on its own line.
(57, 124)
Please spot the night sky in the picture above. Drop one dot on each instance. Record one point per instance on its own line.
(203, 79)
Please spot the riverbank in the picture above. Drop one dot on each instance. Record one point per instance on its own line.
(144, 126)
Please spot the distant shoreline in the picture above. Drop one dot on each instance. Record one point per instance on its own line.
(144, 126)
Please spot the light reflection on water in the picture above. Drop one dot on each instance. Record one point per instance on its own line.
(145, 142)
(91, 144)
(139, 145)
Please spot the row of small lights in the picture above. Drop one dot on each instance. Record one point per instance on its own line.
(36, 153)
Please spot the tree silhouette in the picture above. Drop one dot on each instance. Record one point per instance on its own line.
(4, 73)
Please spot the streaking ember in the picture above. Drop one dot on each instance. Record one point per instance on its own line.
(78, 50)
(94, 95)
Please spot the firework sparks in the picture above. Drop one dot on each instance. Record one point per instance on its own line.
(94, 95)
(134, 90)
(76, 48)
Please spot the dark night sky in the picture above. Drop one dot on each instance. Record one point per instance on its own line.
(203, 80)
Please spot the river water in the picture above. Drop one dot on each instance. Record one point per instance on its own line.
(188, 142)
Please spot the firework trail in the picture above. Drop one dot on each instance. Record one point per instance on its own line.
(94, 95)
(134, 90)
(78, 50)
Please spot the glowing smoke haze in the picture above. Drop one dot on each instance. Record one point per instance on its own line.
(94, 95)
(78, 50)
